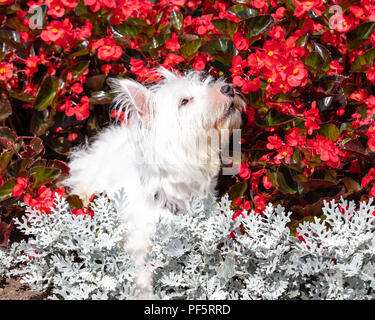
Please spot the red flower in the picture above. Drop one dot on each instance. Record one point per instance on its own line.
(20, 186)
(107, 49)
(172, 43)
(244, 172)
(83, 212)
(312, 118)
(240, 42)
(302, 7)
(56, 9)
(294, 138)
(6, 71)
(1, 181)
(326, 149)
(274, 142)
(297, 75)
(251, 85)
(199, 63)
(173, 59)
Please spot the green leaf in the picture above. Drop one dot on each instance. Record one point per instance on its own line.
(5, 107)
(127, 29)
(285, 182)
(7, 137)
(360, 34)
(96, 82)
(225, 25)
(177, 20)
(7, 188)
(76, 69)
(272, 118)
(242, 11)
(330, 131)
(46, 92)
(25, 97)
(314, 62)
(189, 50)
(364, 62)
(257, 25)
(237, 190)
(43, 175)
(312, 184)
(40, 122)
(219, 49)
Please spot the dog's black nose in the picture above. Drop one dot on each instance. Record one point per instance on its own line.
(227, 90)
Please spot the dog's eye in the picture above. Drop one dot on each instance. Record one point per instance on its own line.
(184, 102)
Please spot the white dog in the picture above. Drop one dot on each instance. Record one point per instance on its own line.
(156, 157)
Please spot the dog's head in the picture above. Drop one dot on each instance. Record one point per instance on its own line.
(180, 106)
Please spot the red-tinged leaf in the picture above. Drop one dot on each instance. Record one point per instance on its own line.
(360, 34)
(242, 11)
(46, 93)
(7, 137)
(5, 231)
(177, 20)
(237, 190)
(351, 185)
(7, 188)
(315, 209)
(257, 25)
(43, 175)
(5, 107)
(312, 184)
(363, 62)
(225, 26)
(330, 131)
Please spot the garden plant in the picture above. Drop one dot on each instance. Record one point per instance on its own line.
(306, 70)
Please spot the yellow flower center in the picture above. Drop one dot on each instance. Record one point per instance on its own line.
(284, 67)
(108, 47)
(54, 30)
(270, 53)
(57, 8)
(2, 70)
(308, 3)
(357, 95)
(281, 86)
(344, 23)
(269, 80)
(295, 71)
(285, 153)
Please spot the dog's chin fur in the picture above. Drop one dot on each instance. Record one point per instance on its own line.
(154, 158)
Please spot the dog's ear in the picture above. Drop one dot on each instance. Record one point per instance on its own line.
(131, 96)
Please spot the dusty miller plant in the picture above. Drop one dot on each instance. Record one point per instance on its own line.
(195, 258)
(76, 256)
(201, 253)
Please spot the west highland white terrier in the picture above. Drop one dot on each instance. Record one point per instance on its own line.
(158, 156)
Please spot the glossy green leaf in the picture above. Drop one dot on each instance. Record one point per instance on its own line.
(76, 69)
(189, 50)
(177, 20)
(242, 11)
(330, 131)
(360, 34)
(5, 107)
(220, 49)
(285, 183)
(225, 25)
(43, 175)
(46, 92)
(257, 25)
(237, 190)
(364, 62)
(7, 188)
(272, 118)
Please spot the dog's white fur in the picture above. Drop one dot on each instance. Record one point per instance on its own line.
(155, 156)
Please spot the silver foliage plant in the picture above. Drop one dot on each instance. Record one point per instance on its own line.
(194, 257)
(202, 253)
(76, 256)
